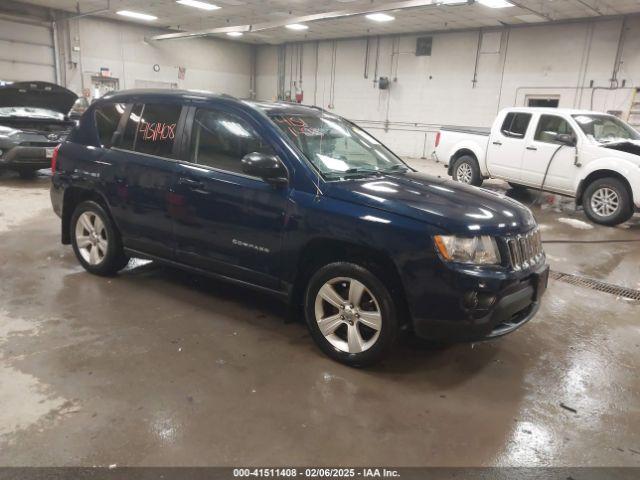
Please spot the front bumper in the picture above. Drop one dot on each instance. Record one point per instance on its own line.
(471, 306)
(27, 157)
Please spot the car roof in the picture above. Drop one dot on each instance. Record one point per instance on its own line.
(270, 108)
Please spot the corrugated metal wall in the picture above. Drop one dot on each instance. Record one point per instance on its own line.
(26, 52)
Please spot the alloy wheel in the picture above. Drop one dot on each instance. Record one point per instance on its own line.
(464, 173)
(348, 315)
(91, 238)
(605, 202)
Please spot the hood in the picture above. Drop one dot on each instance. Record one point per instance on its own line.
(626, 146)
(37, 95)
(452, 206)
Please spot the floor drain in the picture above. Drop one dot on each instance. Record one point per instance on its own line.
(596, 285)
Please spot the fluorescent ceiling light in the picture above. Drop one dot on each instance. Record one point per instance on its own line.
(138, 15)
(297, 26)
(495, 3)
(453, 2)
(198, 4)
(235, 34)
(380, 17)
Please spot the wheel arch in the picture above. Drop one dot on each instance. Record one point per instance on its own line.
(598, 174)
(322, 251)
(461, 153)
(74, 196)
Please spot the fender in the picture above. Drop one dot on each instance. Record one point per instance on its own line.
(630, 171)
(472, 146)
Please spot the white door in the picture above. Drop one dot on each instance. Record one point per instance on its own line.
(506, 146)
(541, 146)
(26, 52)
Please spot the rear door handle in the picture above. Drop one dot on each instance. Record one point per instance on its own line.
(188, 182)
(532, 148)
(497, 143)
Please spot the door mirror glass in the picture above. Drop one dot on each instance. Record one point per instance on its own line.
(565, 139)
(267, 167)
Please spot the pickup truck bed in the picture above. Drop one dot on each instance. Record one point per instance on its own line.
(486, 131)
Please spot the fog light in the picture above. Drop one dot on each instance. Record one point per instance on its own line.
(486, 300)
(470, 300)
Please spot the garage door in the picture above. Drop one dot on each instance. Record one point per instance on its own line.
(26, 52)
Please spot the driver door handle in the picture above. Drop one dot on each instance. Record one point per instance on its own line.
(532, 148)
(497, 143)
(188, 182)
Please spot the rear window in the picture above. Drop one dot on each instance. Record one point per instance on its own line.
(515, 124)
(151, 129)
(107, 120)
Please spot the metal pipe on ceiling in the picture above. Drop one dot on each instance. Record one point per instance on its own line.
(403, 5)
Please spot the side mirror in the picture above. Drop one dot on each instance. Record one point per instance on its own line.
(566, 139)
(267, 167)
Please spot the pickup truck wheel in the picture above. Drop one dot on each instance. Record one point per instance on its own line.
(607, 201)
(351, 314)
(466, 170)
(96, 242)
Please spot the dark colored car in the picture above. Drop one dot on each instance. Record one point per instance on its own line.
(33, 120)
(300, 203)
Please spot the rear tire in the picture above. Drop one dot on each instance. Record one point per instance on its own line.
(466, 170)
(27, 174)
(350, 314)
(607, 201)
(96, 241)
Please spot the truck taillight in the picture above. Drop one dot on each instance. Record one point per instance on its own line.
(437, 139)
(54, 159)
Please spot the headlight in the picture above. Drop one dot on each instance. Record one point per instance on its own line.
(481, 250)
(7, 131)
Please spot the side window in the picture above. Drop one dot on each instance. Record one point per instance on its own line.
(549, 126)
(157, 129)
(506, 125)
(220, 140)
(128, 140)
(515, 124)
(107, 120)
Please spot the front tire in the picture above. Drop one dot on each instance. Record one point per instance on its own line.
(607, 201)
(466, 170)
(96, 241)
(351, 314)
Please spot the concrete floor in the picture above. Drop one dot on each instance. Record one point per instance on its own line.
(159, 367)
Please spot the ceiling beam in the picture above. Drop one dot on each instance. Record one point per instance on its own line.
(302, 19)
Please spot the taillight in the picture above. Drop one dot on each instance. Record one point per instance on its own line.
(54, 159)
(437, 139)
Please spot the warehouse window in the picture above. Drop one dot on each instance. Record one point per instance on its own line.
(107, 120)
(220, 140)
(515, 124)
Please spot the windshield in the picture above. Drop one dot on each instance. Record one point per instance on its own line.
(605, 128)
(337, 148)
(30, 112)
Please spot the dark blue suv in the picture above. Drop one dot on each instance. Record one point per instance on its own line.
(301, 203)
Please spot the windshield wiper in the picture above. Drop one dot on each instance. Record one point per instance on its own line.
(363, 170)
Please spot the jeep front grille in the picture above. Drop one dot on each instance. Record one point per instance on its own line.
(524, 250)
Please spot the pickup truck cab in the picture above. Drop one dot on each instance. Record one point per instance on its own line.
(300, 203)
(591, 156)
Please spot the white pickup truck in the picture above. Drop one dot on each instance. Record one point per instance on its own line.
(591, 156)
